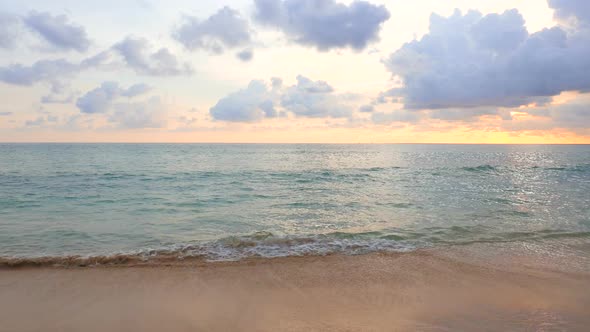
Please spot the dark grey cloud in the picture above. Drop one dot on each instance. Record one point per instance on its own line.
(260, 100)
(58, 31)
(245, 55)
(137, 54)
(101, 99)
(473, 60)
(9, 27)
(324, 24)
(224, 29)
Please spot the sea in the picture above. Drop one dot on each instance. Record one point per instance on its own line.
(234, 201)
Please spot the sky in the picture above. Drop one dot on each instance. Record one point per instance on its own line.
(295, 71)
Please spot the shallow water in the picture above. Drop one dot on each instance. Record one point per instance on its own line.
(235, 201)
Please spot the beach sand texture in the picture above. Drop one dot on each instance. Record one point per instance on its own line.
(452, 290)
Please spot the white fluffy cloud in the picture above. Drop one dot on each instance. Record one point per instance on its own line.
(473, 60)
(251, 104)
(307, 98)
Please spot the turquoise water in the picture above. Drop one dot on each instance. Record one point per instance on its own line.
(233, 201)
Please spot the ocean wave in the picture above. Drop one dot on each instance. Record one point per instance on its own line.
(570, 168)
(234, 248)
(267, 245)
(480, 169)
(579, 168)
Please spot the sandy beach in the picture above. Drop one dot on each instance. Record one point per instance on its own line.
(449, 290)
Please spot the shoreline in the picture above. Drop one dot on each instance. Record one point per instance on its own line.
(261, 246)
(459, 289)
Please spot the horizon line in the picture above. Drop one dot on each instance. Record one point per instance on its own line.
(291, 143)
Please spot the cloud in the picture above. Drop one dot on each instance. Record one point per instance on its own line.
(59, 94)
(101, 99)
(473, 60)
(43, 70)
(53, 99)
(247, 105)
(245, 55)
(138, 115)
(304, 84)
(51, 71)
(568, 9)
(5, 113)
(117, 105)
(224, 29)
(386, 118)
(463, 115)
(315, 99)
(58, 31)
(324, 24)
(260, 100)
(367, 109)
(41, 121)
(9, 26)
(573, 115)
(136, 90)
(137, 55)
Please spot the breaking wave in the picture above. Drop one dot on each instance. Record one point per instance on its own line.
(267, 245)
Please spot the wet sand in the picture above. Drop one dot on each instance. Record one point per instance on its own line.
(420, 291)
